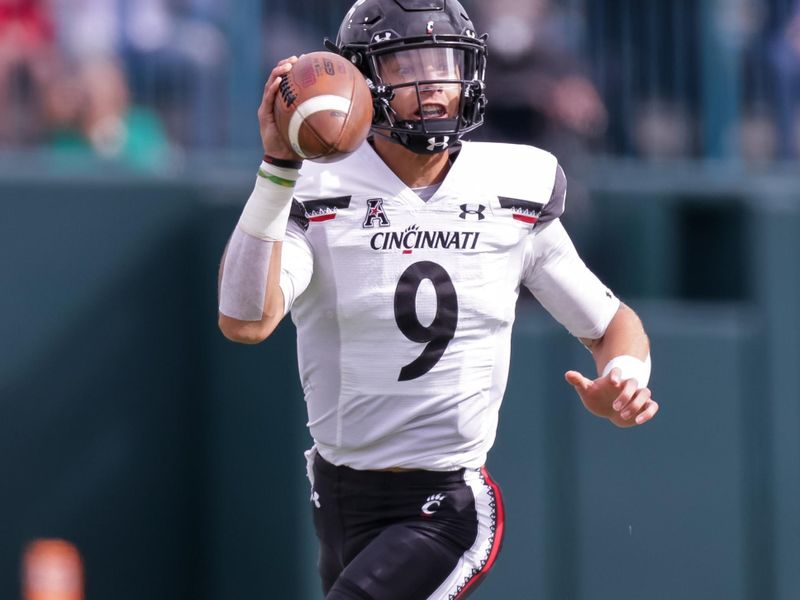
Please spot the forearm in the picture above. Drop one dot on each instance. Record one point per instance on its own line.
(624, 336)
(257, 304)
(622, 356)
(250, 299)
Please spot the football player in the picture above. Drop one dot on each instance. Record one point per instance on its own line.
(401, 267)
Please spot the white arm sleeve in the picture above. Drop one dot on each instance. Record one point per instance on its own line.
(563, 284)
(244, 276)
(297, 265)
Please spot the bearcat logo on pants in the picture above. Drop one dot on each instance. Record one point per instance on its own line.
(414, 238)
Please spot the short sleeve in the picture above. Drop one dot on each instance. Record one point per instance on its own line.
(555, 205)
(564, 285)
(297, 264)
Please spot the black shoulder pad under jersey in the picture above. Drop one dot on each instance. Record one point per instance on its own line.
(298, 214)
(555, 206)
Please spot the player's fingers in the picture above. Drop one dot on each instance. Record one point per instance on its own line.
(268, 96)
(649, 411)
(614, 376)
(625, 395)
(284, 66)
(265, 113)
(270, 90)
(577, 380)
(280, 71)
(640, 398)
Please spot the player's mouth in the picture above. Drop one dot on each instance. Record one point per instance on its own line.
(432, 111)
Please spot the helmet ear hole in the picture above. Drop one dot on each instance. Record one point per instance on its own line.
(354, 57)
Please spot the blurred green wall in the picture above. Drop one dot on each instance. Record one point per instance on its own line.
(173, 458)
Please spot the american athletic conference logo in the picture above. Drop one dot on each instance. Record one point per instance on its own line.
(375, 214)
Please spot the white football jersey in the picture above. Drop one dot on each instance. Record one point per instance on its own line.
(404, 308)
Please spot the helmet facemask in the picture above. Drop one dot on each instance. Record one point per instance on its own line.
(421, 95)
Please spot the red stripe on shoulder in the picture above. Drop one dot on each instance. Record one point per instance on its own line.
(319, 218)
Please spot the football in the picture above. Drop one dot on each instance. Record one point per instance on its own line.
(324, 107)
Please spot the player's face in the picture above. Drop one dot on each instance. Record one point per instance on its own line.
(434, 67)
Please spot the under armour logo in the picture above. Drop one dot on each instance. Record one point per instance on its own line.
(375, 212)
(432, 504)
(467, 211)
(378, 38)
(315, 499)
(433, 144)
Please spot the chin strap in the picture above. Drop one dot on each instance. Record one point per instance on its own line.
(438, 137)
(415, 143)
(433, 144)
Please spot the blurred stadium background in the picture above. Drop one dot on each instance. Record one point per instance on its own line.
(172, 459)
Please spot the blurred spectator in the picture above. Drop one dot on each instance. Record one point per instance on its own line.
(175, 57)
(174, 52)
(758, 136)
(538, 91)
(177, 54)
(88, 112)
(27, 53)
(785, 61)
(661, 130)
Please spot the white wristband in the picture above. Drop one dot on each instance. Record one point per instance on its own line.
(267, 210)
(630, 367)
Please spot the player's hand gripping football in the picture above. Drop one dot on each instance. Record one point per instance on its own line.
(270, 138)
(615, 399)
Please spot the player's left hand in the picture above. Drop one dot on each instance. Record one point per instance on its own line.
(613, 398)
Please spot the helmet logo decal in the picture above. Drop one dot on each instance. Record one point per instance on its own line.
(382, 37)
(429, 28)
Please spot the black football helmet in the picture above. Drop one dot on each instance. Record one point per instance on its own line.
(416, 47)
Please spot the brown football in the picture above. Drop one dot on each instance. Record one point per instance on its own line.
(324, 107)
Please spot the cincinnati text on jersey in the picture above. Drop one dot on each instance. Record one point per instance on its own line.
(415, 239)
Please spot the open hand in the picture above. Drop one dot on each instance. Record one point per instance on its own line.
(616, 399)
